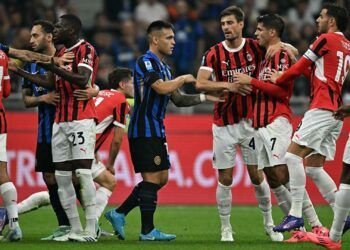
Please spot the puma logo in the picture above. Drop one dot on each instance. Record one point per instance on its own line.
(226, 63)
(84, 150)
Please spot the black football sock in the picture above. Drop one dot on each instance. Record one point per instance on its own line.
(148, 205)
(56, 205)
(131, 202)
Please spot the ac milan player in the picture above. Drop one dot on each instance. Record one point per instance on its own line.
(329, 58)
(272, 114)
(341, 222)
(73, 136)
(8, 191)
(232, 119)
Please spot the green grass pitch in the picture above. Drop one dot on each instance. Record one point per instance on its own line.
(196, 227)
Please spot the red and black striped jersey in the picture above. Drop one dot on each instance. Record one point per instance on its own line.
(330, 54)
(267, 107)
(5, 89)
(112, 110)
(224, 62)
(69, 108)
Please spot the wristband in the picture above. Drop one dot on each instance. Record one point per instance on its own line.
(202, 97)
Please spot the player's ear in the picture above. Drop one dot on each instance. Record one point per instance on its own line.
(49, 36)
(122, 84)
(332, 21)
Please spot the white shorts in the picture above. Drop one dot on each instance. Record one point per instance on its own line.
(319, 131)
(97, 168)
(346, 154)
(3, 155)
(73, 140)
(225, 142)
(272, 142)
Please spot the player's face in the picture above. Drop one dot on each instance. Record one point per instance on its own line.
(39, 40)
(129, 88)
(231, 28)
(166, 41)
(322, 22)
(61, 32)
(262, 35)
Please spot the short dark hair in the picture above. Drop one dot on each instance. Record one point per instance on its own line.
(158, 25)
(46, 26)
(117, 75)
(233, 10)
(339, 13)
(73, 22)
(272, 21)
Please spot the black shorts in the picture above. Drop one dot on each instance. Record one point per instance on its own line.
(149, 154)
(43, 158)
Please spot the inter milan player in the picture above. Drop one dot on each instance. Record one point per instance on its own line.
(154, 86)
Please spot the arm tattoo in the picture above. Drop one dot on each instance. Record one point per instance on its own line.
(183, 100)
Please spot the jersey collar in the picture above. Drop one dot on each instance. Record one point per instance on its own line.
(75, 45)
(234, 49)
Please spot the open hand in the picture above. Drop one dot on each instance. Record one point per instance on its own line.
(273, 75)
(64, 59)
(240, 78)
(51, 98)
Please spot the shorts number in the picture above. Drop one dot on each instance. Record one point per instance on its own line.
(273, 140)
(79, 137)
(252, 143)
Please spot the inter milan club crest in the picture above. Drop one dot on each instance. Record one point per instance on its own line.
(249, 57)
(157, 160)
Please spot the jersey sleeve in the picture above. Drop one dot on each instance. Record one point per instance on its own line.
(208, 60)
(85, 57)
(120, 113)
(149, 70)
(318, 49)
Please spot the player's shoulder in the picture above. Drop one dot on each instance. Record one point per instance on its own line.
(112, 95)
(213, 50)
(147, 63)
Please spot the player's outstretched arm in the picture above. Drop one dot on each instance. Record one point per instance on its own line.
(204, 84)
(30, 56)
(30, 101)
(46, 81)
(81, 78)
(265, 86)
(167, 87)
(184, 100)
(293, 72)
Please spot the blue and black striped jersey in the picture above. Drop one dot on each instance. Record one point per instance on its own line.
(46, 112)
(149, 106)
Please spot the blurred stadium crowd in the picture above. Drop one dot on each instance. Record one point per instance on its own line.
(118, 28)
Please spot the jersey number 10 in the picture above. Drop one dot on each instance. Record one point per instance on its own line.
(343, 66)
